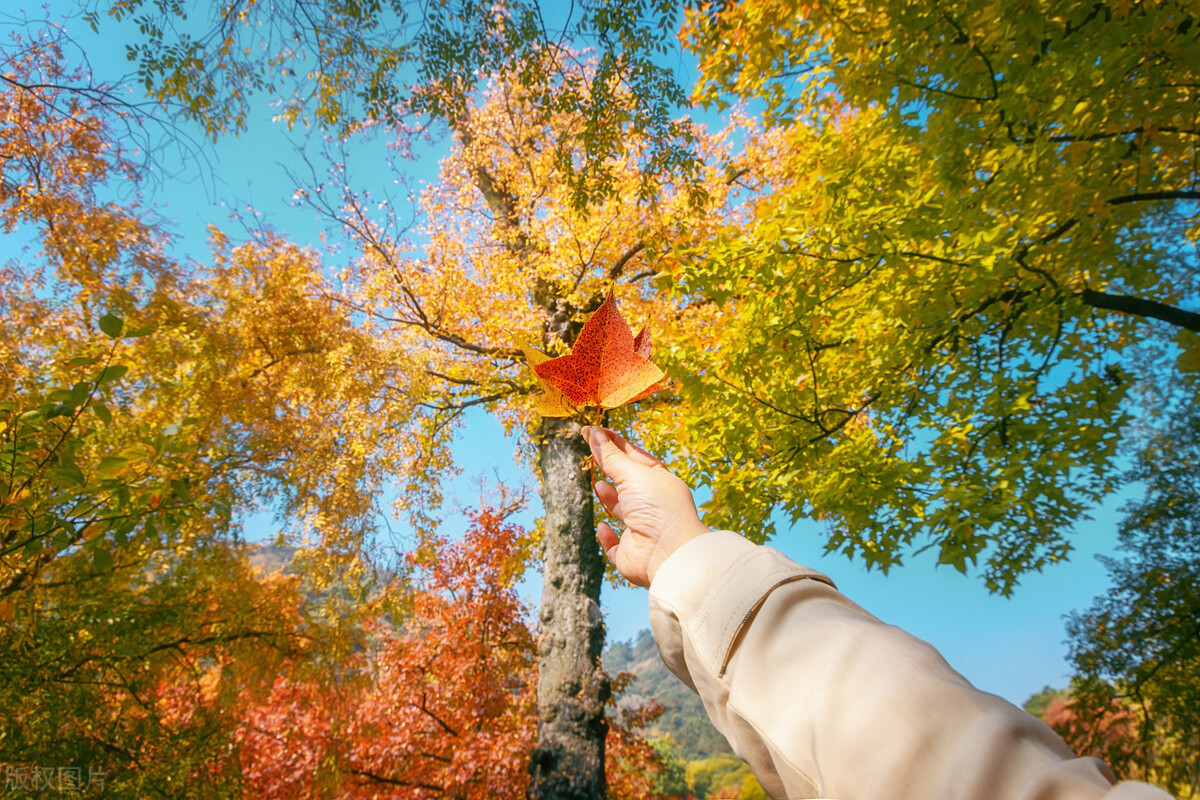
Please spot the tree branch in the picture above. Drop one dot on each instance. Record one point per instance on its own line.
(362, 773)
(1141, 307)
(624, 260)
(1140, 197)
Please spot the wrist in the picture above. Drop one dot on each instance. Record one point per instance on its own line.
(674, 538)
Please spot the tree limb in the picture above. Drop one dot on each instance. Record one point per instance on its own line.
(1139, 197)
(1141, 307)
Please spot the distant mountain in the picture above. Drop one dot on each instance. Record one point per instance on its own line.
(685, 719)
(270, 558)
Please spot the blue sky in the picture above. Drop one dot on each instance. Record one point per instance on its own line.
(1008, 646)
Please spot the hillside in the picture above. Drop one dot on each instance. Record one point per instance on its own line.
(685, 719)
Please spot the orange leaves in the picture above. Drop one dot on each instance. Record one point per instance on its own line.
(442, 704)
(607, 367)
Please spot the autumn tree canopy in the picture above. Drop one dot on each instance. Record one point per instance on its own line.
(144, 406)
(504, 261)
(967, 212)
(146, 402)
(282, 402)
(970, 211)
(900, 301)
(341, 63)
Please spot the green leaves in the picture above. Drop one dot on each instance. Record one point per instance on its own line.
(102, 413)
(112, 465)
(114, 327)
(371, 68)
(904, 344)
(1138, 639)
(102, 559)
(111, 326)
(111, 373)
(70, 486)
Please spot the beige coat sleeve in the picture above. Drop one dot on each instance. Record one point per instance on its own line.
(822, 699)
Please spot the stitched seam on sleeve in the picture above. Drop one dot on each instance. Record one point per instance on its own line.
(715, 647)
(738, 622)
(697, 624)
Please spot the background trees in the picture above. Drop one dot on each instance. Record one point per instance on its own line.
(437, 699)
(289, 379)
(124, 683)
(143, 403)
(592, 136)
(140, 395)
(339, 64)
(509, 259)
(1139, 644)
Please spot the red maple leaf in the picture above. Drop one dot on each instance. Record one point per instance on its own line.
(607, 366)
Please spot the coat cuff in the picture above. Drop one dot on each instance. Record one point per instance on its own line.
(712, 586)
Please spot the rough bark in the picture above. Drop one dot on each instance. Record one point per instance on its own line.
(568, 761)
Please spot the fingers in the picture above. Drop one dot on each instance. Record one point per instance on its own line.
(606, 493)
(609, 541)
(613, 454)
(611, 544)
(632, 450)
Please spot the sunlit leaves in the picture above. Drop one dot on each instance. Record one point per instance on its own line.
(510, 260)
(151, 401)
(133, 672)
(345, 64)
(442, 701)
(173, 399)
(907, 319)
(111, 325)
(66, 488)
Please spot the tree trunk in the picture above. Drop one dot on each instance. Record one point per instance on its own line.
(568, 761)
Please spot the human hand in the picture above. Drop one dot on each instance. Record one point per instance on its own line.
(656, 507)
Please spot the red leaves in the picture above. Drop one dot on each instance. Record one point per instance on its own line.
(442, 703)
(607, 367)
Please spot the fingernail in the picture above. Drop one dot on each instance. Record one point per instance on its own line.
(596, 438)
(586, 432)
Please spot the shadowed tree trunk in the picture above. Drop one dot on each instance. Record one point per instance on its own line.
(568, 761)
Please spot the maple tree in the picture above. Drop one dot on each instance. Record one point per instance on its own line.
(503, 257)
(969, 212)
(271, 387)
(585, 147)
(125, 683)
(145, 404)
(440, 701)
(66, 484)
(1098, 725)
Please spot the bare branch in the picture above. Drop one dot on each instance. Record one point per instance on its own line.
(1141, 307)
